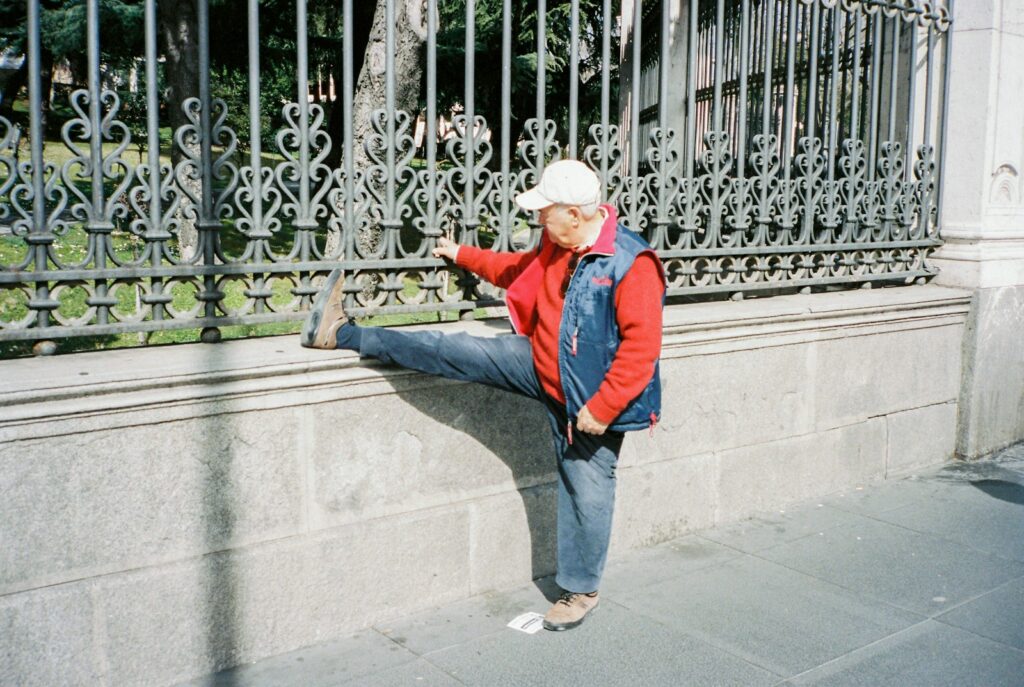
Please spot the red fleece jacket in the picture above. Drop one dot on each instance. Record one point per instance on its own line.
(637, 312)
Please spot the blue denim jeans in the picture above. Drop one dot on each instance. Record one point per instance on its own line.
(586, 466)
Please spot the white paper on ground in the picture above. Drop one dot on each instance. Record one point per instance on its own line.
(530, 623)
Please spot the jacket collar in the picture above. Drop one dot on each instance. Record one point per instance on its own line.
(605, 243)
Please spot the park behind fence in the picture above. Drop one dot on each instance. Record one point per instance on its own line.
(761, 146)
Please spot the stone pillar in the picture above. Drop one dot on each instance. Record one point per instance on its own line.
(983, 218)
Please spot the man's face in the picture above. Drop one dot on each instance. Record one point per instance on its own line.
(562, 223)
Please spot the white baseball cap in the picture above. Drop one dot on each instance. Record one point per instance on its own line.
(566, 182)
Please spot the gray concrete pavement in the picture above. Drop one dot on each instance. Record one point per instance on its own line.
(917, 581)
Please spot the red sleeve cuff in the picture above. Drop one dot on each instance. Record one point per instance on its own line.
(601, 411)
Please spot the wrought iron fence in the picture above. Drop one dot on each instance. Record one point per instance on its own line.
(760, 145)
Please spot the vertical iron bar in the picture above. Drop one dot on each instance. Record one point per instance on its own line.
(302, 80)
(40, 225)
(98, 226)
(432, 115)
(208, 224)
(928, 85)
(926, 133)
(433, 224)
(390, 211)
(690, 149)
(205, 134)
(894, 68)
(542, 16)
(716, 126)
(833, 118)
(787, 105)
(855, 81)
(506, 119)
(663, 59)
(943, 127)
(606, 40)
(769, 51)
(574, 77)
(469, 214)
(95, 134)
(634, 103)
(255, 133)
(741, 132)
(347, 87)
(658, 236)
(155, 233)
(811, 114)
(718, 58)
(911, 93)
(876, 71)
(506, 89)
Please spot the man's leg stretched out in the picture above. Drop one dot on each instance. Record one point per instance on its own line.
(586, 464)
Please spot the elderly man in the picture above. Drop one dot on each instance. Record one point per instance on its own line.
(586, 308)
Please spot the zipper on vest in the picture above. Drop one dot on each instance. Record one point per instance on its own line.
(568, 430)
(574, 333)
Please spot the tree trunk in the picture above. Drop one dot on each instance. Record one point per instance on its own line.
(180, 32)
(362, 22)
(46, 85)
(15, 82)
(410, 34)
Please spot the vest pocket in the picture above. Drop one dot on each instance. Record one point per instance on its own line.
(596, 319)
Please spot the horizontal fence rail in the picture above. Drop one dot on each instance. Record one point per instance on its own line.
(759, 145)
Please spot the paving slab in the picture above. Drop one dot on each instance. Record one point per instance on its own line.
(771, 529)
(774, 617)
(989, 517)
(324, 665)
(612, 649)
(470, 619)
(919, 572)
(998, 615)
(874, 498)
(644, 567)
(929, 654)
(419, 673)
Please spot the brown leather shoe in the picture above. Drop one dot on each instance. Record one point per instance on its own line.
(326, 316)
(570, 610)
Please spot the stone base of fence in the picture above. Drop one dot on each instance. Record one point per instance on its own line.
(168, 512)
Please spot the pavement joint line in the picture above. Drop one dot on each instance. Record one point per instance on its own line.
(878, 517)
(861, 595)
(856, 592)
(976, 597)
(798, 507)
(421, 657)
(972, 632)
(694, 637)
(870, 644)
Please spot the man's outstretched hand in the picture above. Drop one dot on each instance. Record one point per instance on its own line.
(588, 423)
(446, 248)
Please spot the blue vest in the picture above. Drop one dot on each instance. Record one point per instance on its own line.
(589, 335)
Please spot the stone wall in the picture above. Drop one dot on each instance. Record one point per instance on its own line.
(983, 218)
(171, 511)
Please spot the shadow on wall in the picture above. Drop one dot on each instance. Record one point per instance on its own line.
(516, 430)
(218, 597)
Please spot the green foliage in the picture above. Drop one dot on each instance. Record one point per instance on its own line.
(62, 27)
(488, 53)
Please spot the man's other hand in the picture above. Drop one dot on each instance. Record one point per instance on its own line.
(588, 423)
(446, 248)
